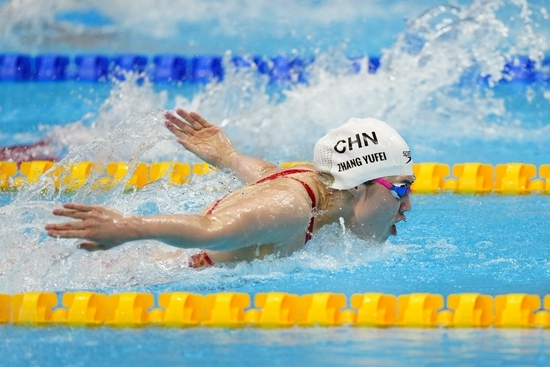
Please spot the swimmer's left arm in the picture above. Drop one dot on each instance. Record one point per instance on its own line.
(212, 145)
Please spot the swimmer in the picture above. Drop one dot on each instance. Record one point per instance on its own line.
(361, 176)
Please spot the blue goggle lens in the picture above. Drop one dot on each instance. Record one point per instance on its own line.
(401, 191)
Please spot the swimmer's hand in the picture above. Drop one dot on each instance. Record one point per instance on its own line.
(101, 228)
(210, 143)
(200, 137)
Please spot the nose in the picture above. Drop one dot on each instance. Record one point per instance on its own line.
(405, 204)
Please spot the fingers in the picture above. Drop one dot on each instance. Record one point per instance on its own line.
(69, 213)
(76, 229)
(65, 226)
(192, 121)
(79, 207)
(177, 126)
(73, 230)
(187, 118)
(73, 210)
(65, 233)
(182, 133)
(70, 229)
(198, 118)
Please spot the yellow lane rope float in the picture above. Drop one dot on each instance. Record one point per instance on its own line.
(274, 310)
(431, 178)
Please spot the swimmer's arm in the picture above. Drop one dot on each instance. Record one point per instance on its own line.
(212, 145)
(103, 228)
(251, 222)
(248, 169)
(269, 219)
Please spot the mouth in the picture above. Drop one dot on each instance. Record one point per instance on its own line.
(394, 230)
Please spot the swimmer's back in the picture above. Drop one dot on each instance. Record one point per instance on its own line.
(269, 184)
(297, 189)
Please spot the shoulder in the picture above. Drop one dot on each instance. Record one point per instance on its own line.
(284, 171)
(305, 174)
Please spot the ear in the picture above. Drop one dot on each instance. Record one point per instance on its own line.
(358, 191)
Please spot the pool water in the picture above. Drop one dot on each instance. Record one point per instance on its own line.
(287, 347)
(427, 87)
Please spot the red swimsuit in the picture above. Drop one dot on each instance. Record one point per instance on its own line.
(202, 259)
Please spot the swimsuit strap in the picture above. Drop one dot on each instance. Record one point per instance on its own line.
(282, 174)
(214, 206)
(309, 232)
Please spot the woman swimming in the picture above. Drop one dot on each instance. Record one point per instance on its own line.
(361, 175)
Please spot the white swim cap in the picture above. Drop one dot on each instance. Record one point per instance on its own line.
(361, 150)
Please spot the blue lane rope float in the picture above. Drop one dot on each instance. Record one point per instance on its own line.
(431, 177)
(174, 68)
(275, 310)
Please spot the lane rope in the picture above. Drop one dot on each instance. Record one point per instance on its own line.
(274, 310)
(431, 177)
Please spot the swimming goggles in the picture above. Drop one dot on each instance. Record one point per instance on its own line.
(397, 190)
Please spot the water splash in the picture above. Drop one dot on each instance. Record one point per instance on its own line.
(157, 26)
(427, 88)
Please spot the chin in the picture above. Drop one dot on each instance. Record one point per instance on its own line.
(374, 237)
(384, 237)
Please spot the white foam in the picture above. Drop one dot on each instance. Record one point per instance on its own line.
(34, 22)
(426, 89)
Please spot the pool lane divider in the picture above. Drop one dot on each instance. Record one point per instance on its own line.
(164, 68)
(274, 310)
(431, 177)
(174, 68)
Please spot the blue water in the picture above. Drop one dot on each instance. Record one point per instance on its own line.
(426, 87)
(289, 347)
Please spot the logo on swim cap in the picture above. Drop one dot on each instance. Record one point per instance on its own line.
(361, 150)
(407, 154)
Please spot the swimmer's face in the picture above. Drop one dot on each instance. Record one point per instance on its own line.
(377, 210)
